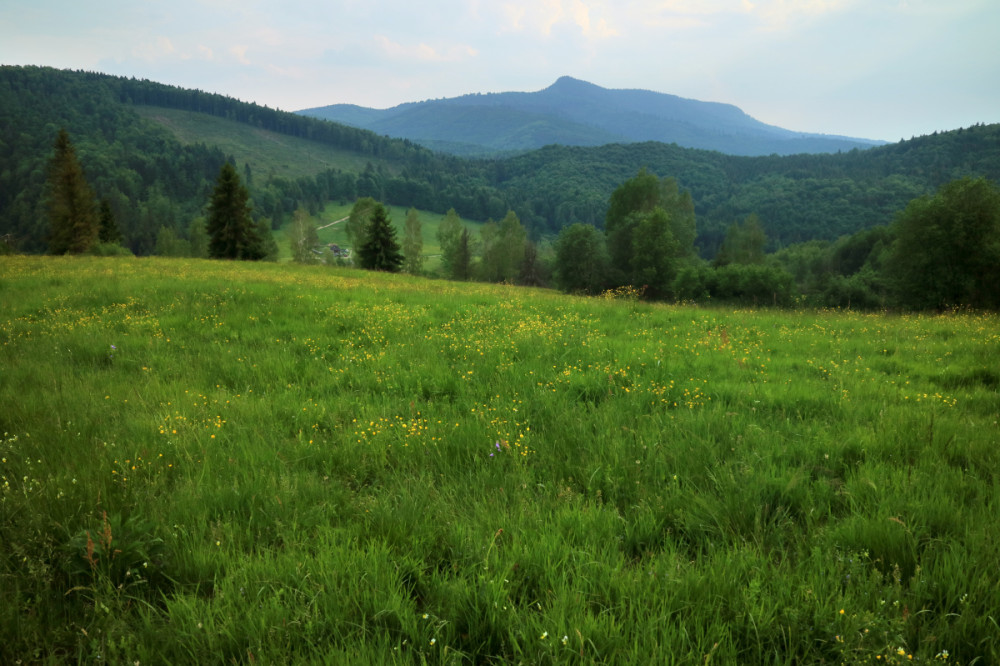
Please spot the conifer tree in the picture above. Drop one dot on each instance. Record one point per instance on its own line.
(380, 251)
(462, 268)
(232, 232)
(72, 205)
(268, 246)
(108, 225)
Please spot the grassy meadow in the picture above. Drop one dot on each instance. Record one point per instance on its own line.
(219, 462)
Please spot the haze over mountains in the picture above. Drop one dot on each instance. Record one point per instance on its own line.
(576, 113)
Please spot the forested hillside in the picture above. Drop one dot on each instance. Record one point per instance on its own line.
(797, 197)
(152, 180)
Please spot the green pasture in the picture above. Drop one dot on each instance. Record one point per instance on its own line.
(220, 462)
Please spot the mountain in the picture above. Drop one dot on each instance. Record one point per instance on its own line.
(576, 113)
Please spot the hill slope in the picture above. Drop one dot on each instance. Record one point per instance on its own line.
(286, 464)
(576, 113)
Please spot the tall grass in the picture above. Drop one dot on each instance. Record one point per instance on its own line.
(213, 462)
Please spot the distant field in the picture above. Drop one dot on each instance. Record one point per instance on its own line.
(224, 462)
(334, 231)
(268, 153)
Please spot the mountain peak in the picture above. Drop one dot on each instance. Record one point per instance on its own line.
(569, 83)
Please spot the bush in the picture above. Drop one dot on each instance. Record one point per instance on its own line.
(752, 284)
(862, 291)
(109, 250)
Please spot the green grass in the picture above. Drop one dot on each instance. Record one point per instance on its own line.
(218, 462)
(267, 153)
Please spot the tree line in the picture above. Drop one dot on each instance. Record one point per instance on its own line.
(79, 223)
(941, 250)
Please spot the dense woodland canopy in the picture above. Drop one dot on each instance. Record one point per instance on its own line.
(825, 218)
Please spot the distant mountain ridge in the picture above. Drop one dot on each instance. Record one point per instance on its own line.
(576, 113)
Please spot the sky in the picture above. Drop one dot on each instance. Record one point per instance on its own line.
(875, 69)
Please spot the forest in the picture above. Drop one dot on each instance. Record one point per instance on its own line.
(826, 223)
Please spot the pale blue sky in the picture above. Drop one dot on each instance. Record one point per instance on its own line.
(880, 69)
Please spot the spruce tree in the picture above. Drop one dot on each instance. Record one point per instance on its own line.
(380, 251)
(232, 232)
(462, 268)
(109, 231)
(72, 205)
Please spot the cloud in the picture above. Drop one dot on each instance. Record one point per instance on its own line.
(786, 14)
(157, 49)
(541, 17)
(765, 15)
(241, 54)
(599, 29)
(423, 52)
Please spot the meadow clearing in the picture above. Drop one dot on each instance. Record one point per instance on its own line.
(223, 462)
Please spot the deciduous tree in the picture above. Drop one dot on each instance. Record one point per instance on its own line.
(650, 228)
(449, 234)
(413, 243)
(947, 248)
(581, 259)
(512, 239)
(359, 220)
(302, 238)
(744, 243)
(199, 238)
(169, 244)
